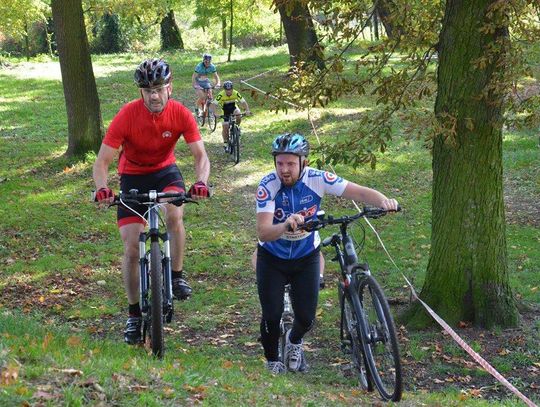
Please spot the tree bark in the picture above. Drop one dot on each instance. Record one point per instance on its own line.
(300, 32)
(85, 127)
(467, 274)
(170, 33)
(223, 32)
(386, 11)
(231, 30)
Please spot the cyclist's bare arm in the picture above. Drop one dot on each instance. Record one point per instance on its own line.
(217, 80)
(370, 196)
(103, 161)
(267, 231)
(194, 80)
(202, 163)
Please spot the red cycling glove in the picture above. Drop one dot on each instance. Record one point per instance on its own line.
(199, 189)
(104, 194)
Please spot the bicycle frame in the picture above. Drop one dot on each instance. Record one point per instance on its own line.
(153, 235)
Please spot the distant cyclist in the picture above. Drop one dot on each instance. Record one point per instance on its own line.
(227, 99)
(201, 80)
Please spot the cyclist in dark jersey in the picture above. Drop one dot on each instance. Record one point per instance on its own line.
(286, 198)
(227, 99)
(145, 132)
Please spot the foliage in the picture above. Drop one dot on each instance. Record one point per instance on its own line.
(108, 36)
(17, 16)
(253, 22)
(400, 72)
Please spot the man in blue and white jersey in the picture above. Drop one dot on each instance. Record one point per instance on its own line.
(286, 198)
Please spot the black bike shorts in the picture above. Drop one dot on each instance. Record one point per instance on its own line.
(169, 179)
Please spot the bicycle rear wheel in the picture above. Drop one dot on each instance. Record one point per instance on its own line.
(350, 340)
(380, 341)
(156, 301)
(235, 143)
(212, 121)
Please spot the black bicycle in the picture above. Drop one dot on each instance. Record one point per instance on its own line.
(367, 330)
(156, 297)
(233, 146)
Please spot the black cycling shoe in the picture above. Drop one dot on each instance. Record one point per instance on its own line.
(181, 289)
(132, 333)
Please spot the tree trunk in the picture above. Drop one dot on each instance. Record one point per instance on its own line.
(223, 32)
(300, 33)
(85, 128)
(170, 33)
(376, 25)
(386, 11)
(231, 30)
(467, 275)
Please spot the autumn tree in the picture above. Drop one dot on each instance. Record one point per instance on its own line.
(18, 16)
(467, 276)
(85, 128)
(300, 32)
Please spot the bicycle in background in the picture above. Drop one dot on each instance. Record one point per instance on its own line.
(156, 297)
(367, 330)
(233, 146)
(207, 115)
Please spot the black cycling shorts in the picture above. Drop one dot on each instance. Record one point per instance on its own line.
(228, 110)
(168, 179)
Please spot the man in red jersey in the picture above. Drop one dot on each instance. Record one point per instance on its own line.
(145, 132)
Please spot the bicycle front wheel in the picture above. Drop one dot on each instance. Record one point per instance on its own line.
(212, 121)
(156, 291)
(199, 115)
(235, 144)
(350, 340)
(379, 338)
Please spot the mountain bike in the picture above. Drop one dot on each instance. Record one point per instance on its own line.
(156, 297)
(286, 322)
(206, 115)
(233, 146)
(367, 330)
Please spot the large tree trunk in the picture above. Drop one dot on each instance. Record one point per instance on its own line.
(387, 12)
(301, 36)
(85, 127)
(170, 33)
(467, 275)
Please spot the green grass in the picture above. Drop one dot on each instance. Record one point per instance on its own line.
(60, 255)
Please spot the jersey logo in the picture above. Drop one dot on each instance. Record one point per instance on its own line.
(306, 199)
(279, 215)
(284, 199)
(314, 173)
(166, 134)
(270, 177)
(262, 196)
(330, 178)
(308, 213)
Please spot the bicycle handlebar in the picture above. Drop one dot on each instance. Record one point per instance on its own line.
(222, 116)
(321, 222)
(135, 197)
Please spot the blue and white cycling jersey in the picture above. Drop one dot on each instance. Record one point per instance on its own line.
(304, 198)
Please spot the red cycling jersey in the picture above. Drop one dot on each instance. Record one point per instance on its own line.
(148, 139)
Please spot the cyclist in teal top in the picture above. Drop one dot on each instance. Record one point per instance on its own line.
(201, 80)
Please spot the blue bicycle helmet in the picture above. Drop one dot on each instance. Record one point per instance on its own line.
(227, 85)
(290, 143)
(207, 56)
(152, 72)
